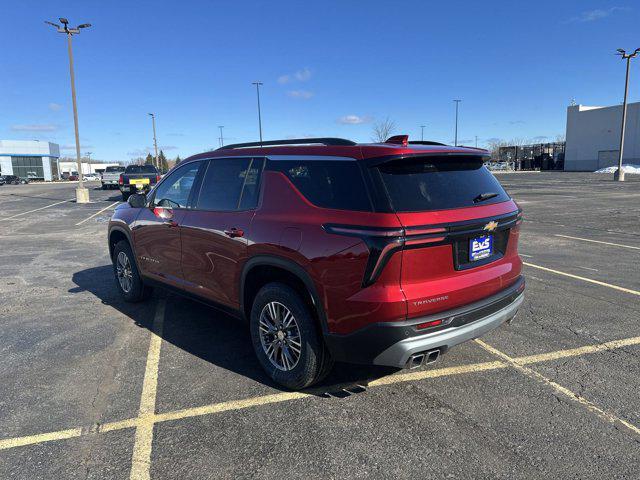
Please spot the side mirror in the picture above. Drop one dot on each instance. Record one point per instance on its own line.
(137, 200)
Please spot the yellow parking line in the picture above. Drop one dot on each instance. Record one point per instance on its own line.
(144, 423)
(584, 279)
(597, 241)
(575, 352)
(593, 408)
(97, 213)
(40, 438)
(35, 210)
(141, 458)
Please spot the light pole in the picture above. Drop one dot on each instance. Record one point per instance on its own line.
(619, 174)
(422, 133)
(221, 137)
(455, 142)
(257, 84)
(155, 141)
(82, 194)
(476, 141)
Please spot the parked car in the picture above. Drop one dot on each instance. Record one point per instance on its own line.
(386, 254)
(137, 178)
(91, 177)
(12, 180)
(73, 177)
(111, 176)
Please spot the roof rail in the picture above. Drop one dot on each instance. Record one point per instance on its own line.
(426, 142)
(295, 141)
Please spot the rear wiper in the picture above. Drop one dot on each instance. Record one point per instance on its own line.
(484, 196)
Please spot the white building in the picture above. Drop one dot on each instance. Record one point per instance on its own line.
(593, 137)
(70, 166)
(29, 159)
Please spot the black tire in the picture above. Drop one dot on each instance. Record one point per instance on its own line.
(104, 187)
(125, 196)
(314, 362)
(138, 291)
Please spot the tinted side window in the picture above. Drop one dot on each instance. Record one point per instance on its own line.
(174, 191)
(336, 184)
(231, 184)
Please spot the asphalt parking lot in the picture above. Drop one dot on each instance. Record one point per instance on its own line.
(91, 387)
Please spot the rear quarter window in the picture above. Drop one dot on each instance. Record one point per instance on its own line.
(335, 184)
(439, 183)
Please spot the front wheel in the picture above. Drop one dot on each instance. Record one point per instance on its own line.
(128, 278)
(125, 196)
(286, 338)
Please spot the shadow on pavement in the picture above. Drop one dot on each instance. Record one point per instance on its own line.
(212, 335)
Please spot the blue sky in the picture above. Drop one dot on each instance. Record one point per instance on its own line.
(329, 68)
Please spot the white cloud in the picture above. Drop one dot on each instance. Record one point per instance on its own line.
(54, 107)
(72, 147)
(597, 14)
(303, 75)
(299, 76)
(353, 120)
(35, 128)
(303, 94)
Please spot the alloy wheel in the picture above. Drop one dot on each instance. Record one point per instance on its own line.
(124, 272)
(280, 336)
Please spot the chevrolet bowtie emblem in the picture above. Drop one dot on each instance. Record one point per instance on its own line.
(491, 226)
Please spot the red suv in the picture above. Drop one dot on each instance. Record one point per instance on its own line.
(383, 254)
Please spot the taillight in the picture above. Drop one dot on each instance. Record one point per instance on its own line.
(384, 242)
(157, 178)
(121, 180)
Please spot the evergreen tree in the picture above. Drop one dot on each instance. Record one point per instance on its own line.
(164, 165)
(178, 160)
(149, 159)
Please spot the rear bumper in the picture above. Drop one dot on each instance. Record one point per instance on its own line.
(393, 343)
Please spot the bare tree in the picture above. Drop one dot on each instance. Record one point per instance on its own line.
(560, 138)
(383, 129)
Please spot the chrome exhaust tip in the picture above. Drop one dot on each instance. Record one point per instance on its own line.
(432, 356)
(415, 361)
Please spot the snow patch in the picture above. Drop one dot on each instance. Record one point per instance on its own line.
(626, 168)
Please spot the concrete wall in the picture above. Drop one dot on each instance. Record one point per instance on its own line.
(593, 137)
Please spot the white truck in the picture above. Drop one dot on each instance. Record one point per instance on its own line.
(110, 177)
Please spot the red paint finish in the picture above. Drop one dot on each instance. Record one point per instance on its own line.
(205, 253)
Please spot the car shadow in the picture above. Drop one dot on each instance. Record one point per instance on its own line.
(214, 336)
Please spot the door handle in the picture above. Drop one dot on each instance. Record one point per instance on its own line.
(234, 232)
(170, 223)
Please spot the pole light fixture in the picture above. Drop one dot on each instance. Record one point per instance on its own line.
(257, 84)
(619, 173)
(422, 133)
(455, 142)
(221, 137)
(155, 141)
(82, 193)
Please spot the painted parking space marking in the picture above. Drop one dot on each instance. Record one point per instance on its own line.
(141, 457)
(559, 389)
(597, 241)
(144, 423)
(584, 279)
(97, 213)
(35, 210)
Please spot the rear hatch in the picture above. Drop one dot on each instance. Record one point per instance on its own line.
(461, 230)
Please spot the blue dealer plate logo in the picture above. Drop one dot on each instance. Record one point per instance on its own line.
(480, 247)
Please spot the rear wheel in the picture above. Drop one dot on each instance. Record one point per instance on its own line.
(125, 196)
(286, 339)
(127, 276)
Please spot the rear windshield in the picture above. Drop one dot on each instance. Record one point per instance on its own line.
(114, 169)
(336, 184)
(141, 169)
(439, 183)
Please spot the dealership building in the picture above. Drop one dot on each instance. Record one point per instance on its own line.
(593, 137)
(29, 159)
